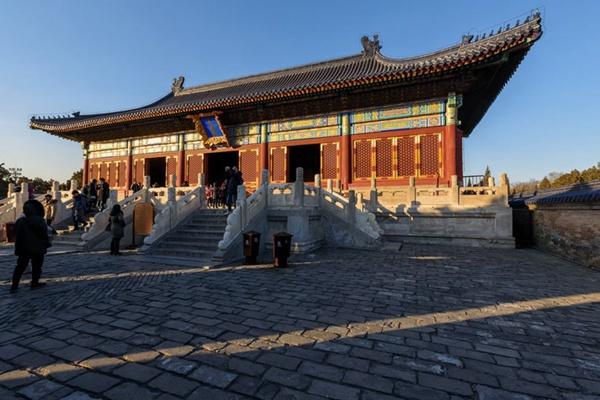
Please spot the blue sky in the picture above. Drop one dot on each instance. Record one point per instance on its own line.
(57, 57)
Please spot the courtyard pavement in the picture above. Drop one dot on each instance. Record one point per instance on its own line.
(420, 323)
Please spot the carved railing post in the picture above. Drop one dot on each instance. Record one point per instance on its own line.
(504, 187)
(147, 194)
(373, 194)
(360, 201)
(299, 188)
(318, 188)
(412, 192)
(112, 198)
(264, 181)
(330, 185)
(351, 210)
(172, 204)
(11, 189)
(202, 190)
(172, 181)
(491, 181)
(74, 184)
(241, 202)
(454, 190)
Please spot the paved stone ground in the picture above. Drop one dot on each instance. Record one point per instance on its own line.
(422, 323)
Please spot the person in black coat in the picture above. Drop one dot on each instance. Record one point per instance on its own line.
(31, 243)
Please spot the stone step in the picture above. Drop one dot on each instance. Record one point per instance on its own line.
(204, 227)
(195, 237)
(210, 219)
(186, 253)
(168, 245)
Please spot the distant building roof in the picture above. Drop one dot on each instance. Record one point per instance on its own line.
(585, 192)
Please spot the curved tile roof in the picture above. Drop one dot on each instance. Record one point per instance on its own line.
(585, 192)
(363, 69)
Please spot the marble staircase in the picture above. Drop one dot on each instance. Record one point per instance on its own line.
(197, 238)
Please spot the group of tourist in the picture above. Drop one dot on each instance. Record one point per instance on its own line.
(225, 193)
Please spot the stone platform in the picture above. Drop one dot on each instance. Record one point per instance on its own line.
(420, 323)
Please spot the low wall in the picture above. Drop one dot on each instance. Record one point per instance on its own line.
(570, 230)
(489, 227)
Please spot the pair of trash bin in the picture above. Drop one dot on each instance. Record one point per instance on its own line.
(282, 244)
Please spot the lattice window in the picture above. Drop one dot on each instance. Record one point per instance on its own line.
(362, 159)
(171, 167)
(139, 171)
(122, 181)
(383, 158)
(249, 167)
(194, 168)
(112, 174)
(406, 156)
(103, 170)
(429, 156)
(329, 169)
(278, 171)
(94, 171)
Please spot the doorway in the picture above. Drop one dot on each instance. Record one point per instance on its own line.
(216, 163)
(156, 169)
(305, 156)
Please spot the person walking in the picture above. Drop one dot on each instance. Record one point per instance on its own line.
(31, 244)
(92, 193)
(117, 228)
(135, 187)
(49, 211)
(79, 209)
(103, 193)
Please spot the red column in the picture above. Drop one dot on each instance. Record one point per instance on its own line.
(345, 153)
(181, 168)
(264, 149)
(86, 170)
(129, 169)
(451, 153)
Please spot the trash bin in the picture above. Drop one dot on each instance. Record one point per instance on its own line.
(282, 243)
(10, 232)
(251, 246)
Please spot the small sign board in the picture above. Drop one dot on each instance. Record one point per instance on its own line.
(143, 218)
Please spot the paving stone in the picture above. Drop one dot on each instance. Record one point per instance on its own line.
(287, 378)
(130, 391)
(535, 389)
(488, 393)
(333, 390)
(445, 384)
(73, 353)
(173, 384)
(279, 360)
(393, 372)
(10, 351)
(102, 363)
(140, 355)
(33, 359)
(79, 396)
(177, 365)
(246, 367)
(204, 392)
(60, 371)
(40, 389)
(369, 381)
(94, 382)
(412, 391)
(291, 394)
(213, 376)
(322, 371)
(137, 372)
(16, 378)
(348, 362)
(48, 344)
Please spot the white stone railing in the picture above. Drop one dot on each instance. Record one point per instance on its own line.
(248, 209)
(101, 219)
(348, 210)
(176, 211)
(454, 196)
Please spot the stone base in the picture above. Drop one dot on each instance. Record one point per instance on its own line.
(502, 243)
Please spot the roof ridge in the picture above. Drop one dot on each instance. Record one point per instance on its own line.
(269, 74)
